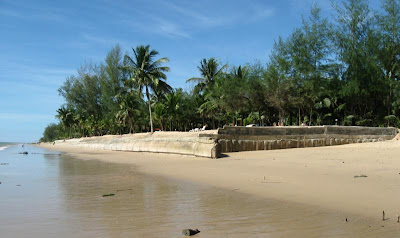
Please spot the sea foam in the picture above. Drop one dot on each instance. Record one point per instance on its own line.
(3, 147)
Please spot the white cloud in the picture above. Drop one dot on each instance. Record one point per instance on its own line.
(260, 13)
(205, 20)
(182, 20)
(108, 41)
(160, 26)
(170, 29)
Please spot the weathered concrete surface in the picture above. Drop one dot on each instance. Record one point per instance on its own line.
(234, 139)
(211, 144)
(184, 143)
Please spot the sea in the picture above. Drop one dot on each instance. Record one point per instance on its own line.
(5, 145)
(51, 194)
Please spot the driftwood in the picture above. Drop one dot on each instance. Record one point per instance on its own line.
(190, 232)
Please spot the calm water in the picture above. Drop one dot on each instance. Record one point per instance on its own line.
(47, 194)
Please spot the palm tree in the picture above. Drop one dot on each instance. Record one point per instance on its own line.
(79, 118)
(129, 108)
(65, 115)
(173, 101)
(161, 113)
(147, 73)
(209, 69)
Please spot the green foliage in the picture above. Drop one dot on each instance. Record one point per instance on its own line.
(129, 108)
(209, 70)
(51, 133)
(343, 71)
(392, 120)
(147, 73)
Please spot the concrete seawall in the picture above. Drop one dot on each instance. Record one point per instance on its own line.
(212, 144)
(184, 143)
(235, 139)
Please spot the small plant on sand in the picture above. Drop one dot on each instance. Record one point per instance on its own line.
(361, 176)
(108, 195)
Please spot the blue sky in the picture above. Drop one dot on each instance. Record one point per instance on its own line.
(43, 42)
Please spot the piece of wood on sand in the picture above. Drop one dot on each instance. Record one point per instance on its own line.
(190, 232)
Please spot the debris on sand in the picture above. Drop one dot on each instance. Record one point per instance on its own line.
(361, 176)
(108, 194)
(190, 232)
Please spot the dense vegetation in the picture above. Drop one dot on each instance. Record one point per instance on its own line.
(344, 72)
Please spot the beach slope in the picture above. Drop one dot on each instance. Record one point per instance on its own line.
(355, 179)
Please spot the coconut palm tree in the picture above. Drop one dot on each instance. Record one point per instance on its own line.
(173, 101)
(129, 108)
(147, 73)
(161, 113)
(79, 119)
(65, 115)
(209, 69)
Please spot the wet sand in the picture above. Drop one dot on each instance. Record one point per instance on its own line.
(47, 194)
(319, 180)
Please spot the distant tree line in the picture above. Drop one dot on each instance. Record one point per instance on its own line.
(343, 72)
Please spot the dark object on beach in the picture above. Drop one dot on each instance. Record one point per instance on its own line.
(361, 176)
(108, 195)
(121, 190)
(190, 232)
(383, 215)
(346, 219)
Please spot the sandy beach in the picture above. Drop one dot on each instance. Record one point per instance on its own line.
(325, 177)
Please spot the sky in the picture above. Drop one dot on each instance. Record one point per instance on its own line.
(43, 42)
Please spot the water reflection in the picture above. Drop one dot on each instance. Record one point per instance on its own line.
(160, 207)
(62, 197)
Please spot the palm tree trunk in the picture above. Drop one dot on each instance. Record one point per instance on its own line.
(148, 100)
(130, 126)
(299, 117)
(213, 121)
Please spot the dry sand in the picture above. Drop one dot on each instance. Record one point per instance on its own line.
(322, 177)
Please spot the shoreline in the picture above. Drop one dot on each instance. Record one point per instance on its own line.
(322, 177)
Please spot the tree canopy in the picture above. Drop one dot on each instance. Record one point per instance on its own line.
(343, 71)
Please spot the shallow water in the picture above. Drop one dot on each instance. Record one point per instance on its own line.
(47, 194)
(5, 145)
